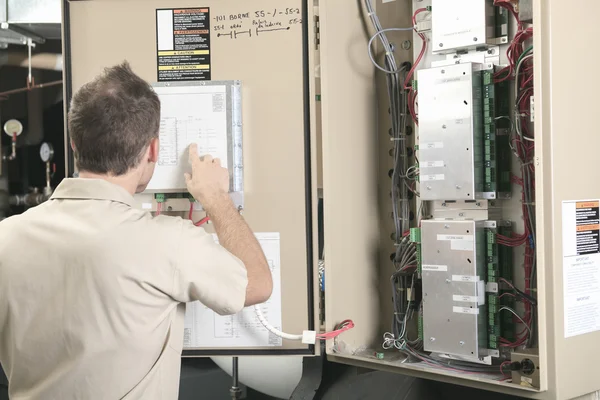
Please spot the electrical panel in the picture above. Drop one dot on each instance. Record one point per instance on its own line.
(195, 56)
(463, 156)
(450, 132)
(454, 312)
(467, 24)
(471, 281)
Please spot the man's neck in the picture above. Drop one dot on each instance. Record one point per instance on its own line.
(125, 181)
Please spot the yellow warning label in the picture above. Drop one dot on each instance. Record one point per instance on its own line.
(183, 53)
(182, 67)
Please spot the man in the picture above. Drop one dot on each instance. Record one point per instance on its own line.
(93, 290)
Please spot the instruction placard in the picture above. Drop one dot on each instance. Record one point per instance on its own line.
(581, 266)
(183, 44)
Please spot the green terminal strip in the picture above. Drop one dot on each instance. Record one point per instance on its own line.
(499, 264)
(160, 197)
(496, 127)
(415, 237)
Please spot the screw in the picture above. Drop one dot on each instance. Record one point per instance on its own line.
(443, 204)
(406, 45)
(443, 126)
(169, 208)
(443, 71)
(432, 339)
(474, 39)
(457, 186)
(461, 214)
(446, 226)
(447, 280)
(441, 44)
(490, 52)
(478, 204)
(461, 343)
(428, 187)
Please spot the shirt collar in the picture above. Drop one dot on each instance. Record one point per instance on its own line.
(91, 189)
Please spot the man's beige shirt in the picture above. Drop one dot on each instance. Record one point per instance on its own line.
(92, 295)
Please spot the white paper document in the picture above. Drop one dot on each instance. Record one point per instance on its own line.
(189, 114)
(581, 266)
(204, 328)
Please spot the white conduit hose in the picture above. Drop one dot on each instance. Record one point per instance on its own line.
(272, 329)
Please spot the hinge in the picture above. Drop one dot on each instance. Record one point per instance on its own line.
(317, 32)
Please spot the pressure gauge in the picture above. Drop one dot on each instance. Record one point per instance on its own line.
(46, 152)
(12, 127)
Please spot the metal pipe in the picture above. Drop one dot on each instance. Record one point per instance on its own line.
(26, 89)
(13, 154)
(28, 200)
(47, 61)
(235, 391)
(48, 189)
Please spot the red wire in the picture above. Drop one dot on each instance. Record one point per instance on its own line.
(346, 325)
(423, 48)
(199, 223)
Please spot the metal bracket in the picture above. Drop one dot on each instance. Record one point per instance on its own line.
(14, 34)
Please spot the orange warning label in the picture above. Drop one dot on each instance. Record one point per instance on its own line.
(197, 32)
(587, 204)
(587, 216)
(591, 227)
(184, 50)
(191, 11)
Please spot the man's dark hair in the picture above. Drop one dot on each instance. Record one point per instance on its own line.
(112, 120)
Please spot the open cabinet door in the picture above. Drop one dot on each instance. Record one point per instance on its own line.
(263, 47)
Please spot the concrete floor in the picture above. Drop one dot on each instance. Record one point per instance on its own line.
(202, 379)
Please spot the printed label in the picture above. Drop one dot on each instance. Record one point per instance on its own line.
(431, 145)
(581, 266)
(455, 237)
(146, 206)
(431, 164)
(429, 267)
(435, 177)
(465, 310)
(465, 278)
(587, 216)
(465, 299)
(527, 380)
(183, 44)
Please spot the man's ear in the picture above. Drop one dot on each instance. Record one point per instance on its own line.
(73, 146)
(153, 151)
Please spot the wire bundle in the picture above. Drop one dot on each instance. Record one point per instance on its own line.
(520, 69)
(515, 49)
(412, 91)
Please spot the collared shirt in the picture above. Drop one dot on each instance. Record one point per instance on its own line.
(92, 295)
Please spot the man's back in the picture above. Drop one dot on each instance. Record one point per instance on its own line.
(89, 294)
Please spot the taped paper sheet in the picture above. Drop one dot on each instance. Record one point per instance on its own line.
(189, 114)
(204, 328)
(581, 266)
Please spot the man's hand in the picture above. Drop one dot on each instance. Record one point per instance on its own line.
(209, 181)
(209, 184)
